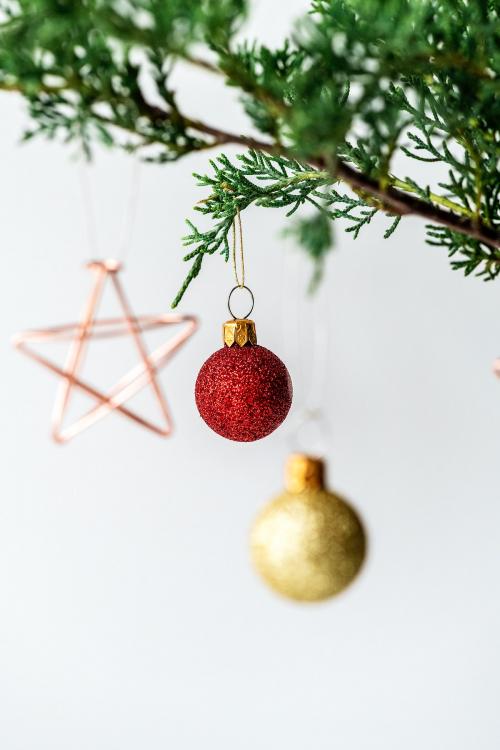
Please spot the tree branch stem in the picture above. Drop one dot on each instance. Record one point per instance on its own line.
(393, 199)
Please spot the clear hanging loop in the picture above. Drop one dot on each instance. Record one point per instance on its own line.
(309, 433)
(129, 212)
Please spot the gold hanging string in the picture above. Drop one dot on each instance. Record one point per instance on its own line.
(239, 281)
(237, 238)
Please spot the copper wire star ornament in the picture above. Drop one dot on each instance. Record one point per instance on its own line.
(140, 376)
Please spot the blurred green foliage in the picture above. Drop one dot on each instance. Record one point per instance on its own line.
(358, 83)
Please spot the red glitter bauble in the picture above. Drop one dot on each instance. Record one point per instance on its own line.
(243, 393)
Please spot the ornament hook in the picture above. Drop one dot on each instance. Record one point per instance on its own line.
(240, 286)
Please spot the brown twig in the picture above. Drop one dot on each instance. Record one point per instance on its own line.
(392, 199)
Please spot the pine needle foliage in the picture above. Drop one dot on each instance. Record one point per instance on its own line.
(349, 107)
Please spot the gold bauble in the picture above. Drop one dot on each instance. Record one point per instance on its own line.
(308, 544)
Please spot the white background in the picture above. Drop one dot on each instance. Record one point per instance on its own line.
(129, 615)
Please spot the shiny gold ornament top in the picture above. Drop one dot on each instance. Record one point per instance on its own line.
(239, 332)
(304, 473)
(308, 544)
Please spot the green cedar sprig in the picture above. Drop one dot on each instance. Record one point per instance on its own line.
(357, 88)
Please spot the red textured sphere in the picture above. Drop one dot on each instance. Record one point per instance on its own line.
(243, 393)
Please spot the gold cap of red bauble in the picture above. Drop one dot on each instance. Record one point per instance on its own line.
(239, 332)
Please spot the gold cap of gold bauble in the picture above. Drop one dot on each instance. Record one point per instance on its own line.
(308, 544)
(239, 332)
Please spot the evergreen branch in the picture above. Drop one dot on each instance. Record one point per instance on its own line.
(418, 80)
(272, 180)
(393, 199)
